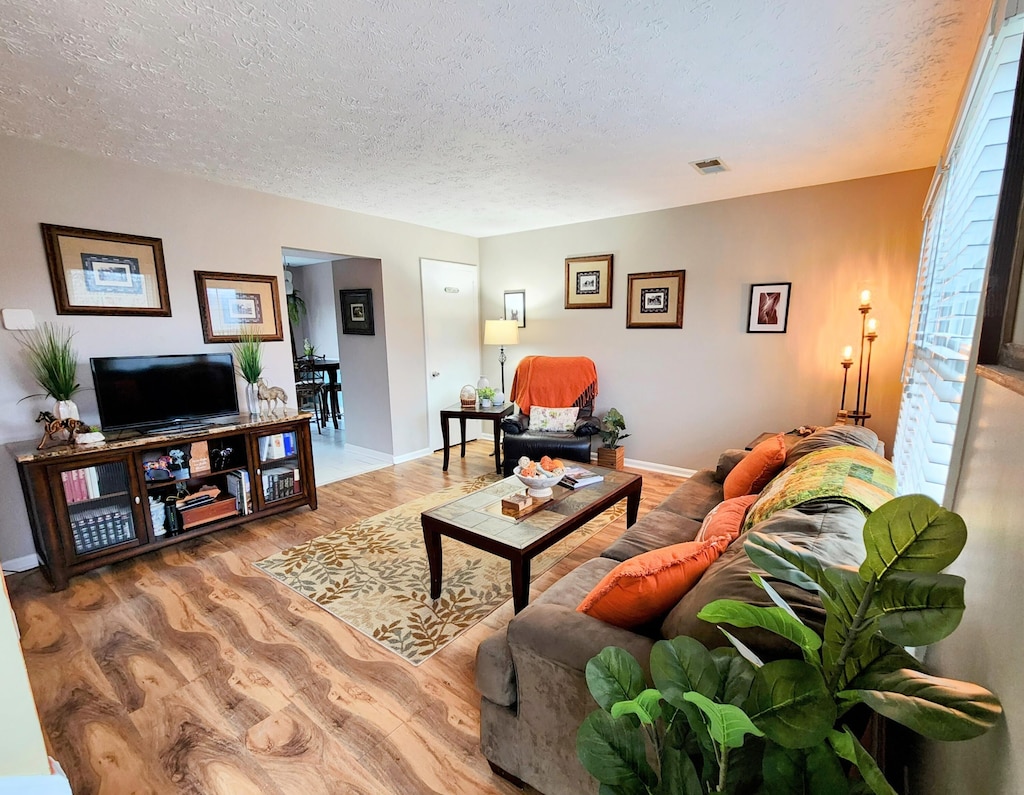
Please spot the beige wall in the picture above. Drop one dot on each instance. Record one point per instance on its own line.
(988, 646)
(204, 226)
(688, 393)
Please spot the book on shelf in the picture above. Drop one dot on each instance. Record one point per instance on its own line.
(576, 477)
(238, 487)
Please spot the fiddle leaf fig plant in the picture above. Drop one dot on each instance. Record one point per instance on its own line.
(612, 427)
(898, 597)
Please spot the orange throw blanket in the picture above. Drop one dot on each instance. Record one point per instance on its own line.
(554, 382)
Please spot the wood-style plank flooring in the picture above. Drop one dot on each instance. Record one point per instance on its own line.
(189, 671)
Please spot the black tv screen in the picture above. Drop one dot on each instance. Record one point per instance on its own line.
(141, 391)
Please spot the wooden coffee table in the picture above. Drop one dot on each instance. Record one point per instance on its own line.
(477, 520)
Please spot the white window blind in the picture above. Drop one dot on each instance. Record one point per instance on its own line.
(954, 254)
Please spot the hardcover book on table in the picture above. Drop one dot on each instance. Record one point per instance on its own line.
(576, 477)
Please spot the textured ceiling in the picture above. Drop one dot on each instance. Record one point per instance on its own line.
(490, 117)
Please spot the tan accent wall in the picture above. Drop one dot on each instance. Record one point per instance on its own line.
(687, 394)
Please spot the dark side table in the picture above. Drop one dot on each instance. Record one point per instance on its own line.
(495, 414)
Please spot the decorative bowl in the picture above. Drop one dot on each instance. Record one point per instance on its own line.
(540, 484)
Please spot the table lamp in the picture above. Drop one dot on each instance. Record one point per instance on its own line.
(501, 332)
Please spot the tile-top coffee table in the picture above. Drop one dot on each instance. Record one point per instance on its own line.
(477, 520)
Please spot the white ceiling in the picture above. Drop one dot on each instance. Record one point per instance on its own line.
(492, 116)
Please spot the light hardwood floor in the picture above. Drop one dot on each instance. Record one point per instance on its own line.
(189, 671)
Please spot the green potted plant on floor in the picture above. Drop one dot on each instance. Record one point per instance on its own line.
(248, 353)
(899, 597)
(612, 454)
(54, 364)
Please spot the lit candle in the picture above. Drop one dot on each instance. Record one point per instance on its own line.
(865, 298)
(848, 354)
(872, 326)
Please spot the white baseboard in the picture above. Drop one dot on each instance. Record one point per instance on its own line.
(373, 455)
(651, 466)
(401, 459)
(23, 563)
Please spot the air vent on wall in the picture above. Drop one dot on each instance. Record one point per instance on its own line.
(711, 165)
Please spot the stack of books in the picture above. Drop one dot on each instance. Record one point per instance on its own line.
(576, 477)
(280, 482)
(97, 528)
(239, 488)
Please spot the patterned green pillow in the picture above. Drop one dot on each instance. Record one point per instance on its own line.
(545, 419)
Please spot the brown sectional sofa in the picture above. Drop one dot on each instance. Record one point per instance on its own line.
(531, 674)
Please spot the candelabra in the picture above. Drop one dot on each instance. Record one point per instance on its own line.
(868, 333)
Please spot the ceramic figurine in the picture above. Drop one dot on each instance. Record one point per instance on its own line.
(271, 395)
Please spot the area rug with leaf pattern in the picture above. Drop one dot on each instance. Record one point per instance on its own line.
(373, 575)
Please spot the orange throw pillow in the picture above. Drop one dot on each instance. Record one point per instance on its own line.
(726, 519)
(646, 587)
(752, 474)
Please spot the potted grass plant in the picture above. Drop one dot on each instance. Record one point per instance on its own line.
(249, 364)
(612, 454)
(54, 364)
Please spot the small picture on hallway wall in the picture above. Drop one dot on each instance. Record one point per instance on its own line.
(357, 311)
(515, 306)
(769, 308)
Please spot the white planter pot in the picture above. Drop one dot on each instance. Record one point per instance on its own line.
(66, 410)
(252, 400)
(485, 403)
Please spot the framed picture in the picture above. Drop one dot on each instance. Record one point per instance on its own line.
(357, 311)
(656, 299)
(106, 273)
(769, 308)
(515, 306)
(232, 304)
(588, 282)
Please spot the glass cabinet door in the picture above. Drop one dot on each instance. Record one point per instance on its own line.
(99, 507)
(278, 467)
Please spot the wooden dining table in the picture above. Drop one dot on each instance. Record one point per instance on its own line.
(331, 368)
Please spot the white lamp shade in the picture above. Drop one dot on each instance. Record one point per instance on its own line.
(501, 332)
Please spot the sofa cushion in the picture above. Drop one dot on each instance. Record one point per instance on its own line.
(833, 531)
(645, 587)
(726, 518)
(752, 474)
(695, 497)
(833, 436)
(656, 529)
(570, 590)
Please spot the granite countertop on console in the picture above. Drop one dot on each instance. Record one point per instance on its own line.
(25, 452)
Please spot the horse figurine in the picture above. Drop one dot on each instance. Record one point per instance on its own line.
(53, 427)
(271, 395)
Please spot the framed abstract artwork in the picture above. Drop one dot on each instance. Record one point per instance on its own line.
(588, 282)
(233, 304)
(357, 311)
(769, 308)
(655, 299)
(106, 273)
(515, 306)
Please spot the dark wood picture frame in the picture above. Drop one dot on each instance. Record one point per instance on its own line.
(655, 299)
(588, 282)
(233, 303)
(357, 311)
(106, 273)
(768, 312)
(515, 306)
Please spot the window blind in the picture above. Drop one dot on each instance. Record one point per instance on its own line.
(958, 227)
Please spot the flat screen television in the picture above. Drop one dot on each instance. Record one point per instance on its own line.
(145, 392)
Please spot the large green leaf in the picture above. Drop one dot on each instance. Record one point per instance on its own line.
(614, 753)
(727, 723)
(850, 749)
(790, 702)
(678, 774)
(614, 676)
(803, 771)
(912, 533)
(773, 619)
(919, 608)
(680, 665)
(783, 560)
(847, 592)
(736, 675)
(646, 706)
(942, 709)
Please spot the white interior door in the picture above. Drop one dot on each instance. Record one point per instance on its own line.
(451, 325)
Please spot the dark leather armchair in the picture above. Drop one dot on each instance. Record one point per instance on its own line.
(574, 445)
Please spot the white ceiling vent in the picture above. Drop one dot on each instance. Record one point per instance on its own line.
(710, 166)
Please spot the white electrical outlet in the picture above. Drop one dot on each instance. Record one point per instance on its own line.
(17, 319)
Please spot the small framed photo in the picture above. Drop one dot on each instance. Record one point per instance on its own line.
(588, 282)
(656, 299)
(357, 311)
(233, 304)
(515, 306)
(106, 273)
(769, 308)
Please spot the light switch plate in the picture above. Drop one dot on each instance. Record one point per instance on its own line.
(16, 319)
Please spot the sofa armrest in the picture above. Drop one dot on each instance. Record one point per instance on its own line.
(727, 461)
(569, 638)
(587, 426)
(515, 424)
